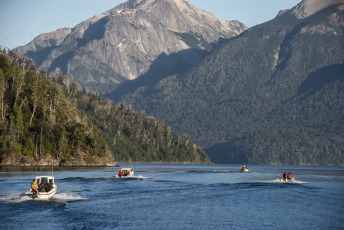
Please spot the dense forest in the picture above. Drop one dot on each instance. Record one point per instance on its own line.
(48, 117)
(272, 95)
(133, 136)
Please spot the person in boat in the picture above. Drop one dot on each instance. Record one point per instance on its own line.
(120, 174)
(33, 186)
(289, 176)
(50, 185)
(284, 176)
(125, 172)
(43, 186)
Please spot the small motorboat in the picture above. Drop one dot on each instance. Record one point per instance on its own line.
(40, 194)
(243, 169)
(287, 177)
(126, 173)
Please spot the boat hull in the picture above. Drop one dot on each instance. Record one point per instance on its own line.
(127, 177)
(42, 195)
(243, 169)
(287, 180)
(127, 173)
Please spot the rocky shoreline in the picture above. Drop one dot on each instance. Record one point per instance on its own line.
(86, 161)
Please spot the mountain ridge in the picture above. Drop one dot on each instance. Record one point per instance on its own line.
(307, 8)
(245, 102)
(122, 43)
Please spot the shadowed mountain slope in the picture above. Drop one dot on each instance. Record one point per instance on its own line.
(273, 95)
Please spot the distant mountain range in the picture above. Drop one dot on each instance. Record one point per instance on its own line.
(137, 38)
(272, 95)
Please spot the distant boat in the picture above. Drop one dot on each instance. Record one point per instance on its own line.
(287, 178)
(243, 169)
(40, 195)
(126, 173)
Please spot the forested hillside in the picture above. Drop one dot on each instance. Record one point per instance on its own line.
(272, 95)
(47, 117)
(133, 136)
(38, 123)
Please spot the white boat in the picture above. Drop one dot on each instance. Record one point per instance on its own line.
(126, 173)
(43, 195)
(243, 169)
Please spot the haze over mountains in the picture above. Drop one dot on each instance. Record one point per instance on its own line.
(135, 38)
(272, 95)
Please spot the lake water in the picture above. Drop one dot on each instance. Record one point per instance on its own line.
(177, 197)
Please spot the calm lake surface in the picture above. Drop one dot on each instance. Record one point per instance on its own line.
(177, 197)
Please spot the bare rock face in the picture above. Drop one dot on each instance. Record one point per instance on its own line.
(129, 41)
(308, 7)
(45, 40)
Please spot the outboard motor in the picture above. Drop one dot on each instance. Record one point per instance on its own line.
(34, 194)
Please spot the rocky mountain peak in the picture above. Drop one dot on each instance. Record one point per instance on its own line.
(308, 7)
(147, 4)
(46, 40)
(180, 16)
(136, 38)
(277, 88)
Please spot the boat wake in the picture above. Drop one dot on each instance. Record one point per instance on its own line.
(15, 198)
(68, 197)
(142, 177)
(87, 178)
(20, 197)
(281, 181)
(131, 178)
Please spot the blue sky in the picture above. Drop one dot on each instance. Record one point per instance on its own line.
(23, 20)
